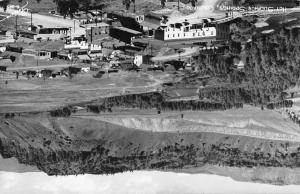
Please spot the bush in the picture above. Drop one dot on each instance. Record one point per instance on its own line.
(64, 112)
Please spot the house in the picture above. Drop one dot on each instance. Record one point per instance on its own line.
(124, 34)
(6, 32)
(151, 22)
(27, 34)
(80, 52)
(138, 22)
(14, 48)
(138, 60)
(95, 48)
(83, 47)
(96, 31)
(40, 54)
(76, 45)
(64, 55)
(55, 33)
(186, 31)
(128, 20)
(47, 54)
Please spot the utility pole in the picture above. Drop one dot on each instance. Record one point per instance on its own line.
(16, 25)
(74, 25)
(37, 59)
(91, 34)
(178, 5)
(31, 20)
(96, 16)
(134, 6)
(70, 29)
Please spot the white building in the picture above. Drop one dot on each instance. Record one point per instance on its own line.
(186, 31)
(82, 46)
(138, 60)
(77, 45)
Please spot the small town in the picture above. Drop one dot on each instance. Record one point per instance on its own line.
(99, 42)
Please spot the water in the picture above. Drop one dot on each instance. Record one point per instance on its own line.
(132, 182)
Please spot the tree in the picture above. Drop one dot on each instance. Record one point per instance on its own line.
(4, 4)
(193, 2)
(127, 4)
(67, 7)
(163, 3)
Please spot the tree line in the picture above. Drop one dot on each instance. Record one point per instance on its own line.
(68, 7)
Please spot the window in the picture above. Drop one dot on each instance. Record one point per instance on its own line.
(193, 34)
(178, 35)
(183, 34)
(168, 35)
(173, 35)
(42, 54)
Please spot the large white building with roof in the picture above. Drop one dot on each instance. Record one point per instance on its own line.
(186, 31)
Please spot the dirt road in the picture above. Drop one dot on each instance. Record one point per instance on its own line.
(39, 67)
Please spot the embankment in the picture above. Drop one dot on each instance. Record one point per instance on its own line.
(65, 146)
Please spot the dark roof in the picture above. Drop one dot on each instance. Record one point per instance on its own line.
(128, 30)
(27, 32)
(61, 28)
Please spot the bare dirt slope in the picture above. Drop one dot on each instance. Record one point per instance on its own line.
(61, 146)
(248, 121)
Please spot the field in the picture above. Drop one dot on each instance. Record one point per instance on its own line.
(40, 95)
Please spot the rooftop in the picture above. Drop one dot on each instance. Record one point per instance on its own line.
(101, 24)
(128, 30)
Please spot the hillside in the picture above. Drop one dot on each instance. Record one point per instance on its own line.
(65, 146)
(44, 6)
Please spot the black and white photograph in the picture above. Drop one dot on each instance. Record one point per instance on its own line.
(149, 96)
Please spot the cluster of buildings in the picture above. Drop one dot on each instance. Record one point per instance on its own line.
(128, 32)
